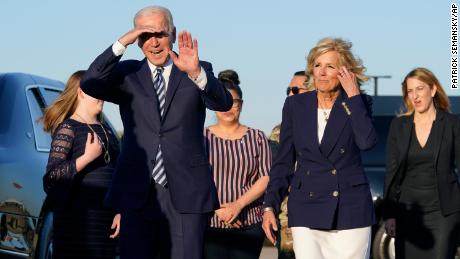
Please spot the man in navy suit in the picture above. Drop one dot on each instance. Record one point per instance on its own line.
(162, 184)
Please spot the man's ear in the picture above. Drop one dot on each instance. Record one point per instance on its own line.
(173, 35)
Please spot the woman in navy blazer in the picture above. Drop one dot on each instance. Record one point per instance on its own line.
(422, 194)
(330, 205)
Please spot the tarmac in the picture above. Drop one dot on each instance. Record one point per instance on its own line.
(268, 252)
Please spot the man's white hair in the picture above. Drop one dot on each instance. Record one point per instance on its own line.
(149, 10)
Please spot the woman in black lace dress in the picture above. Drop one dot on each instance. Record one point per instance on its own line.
(79, 171)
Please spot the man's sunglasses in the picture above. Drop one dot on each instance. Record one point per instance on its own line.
(294, 89)
(147, 35)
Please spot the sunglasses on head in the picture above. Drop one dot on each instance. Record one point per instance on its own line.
(293, 89)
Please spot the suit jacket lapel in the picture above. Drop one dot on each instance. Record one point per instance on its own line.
(405, 137)
(336, 122)
(174, 81)
(144, 75)
(438, 130)
(308, 116)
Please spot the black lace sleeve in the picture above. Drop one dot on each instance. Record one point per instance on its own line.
(60, 170)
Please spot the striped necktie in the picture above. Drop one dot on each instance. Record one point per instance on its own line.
(158, 172)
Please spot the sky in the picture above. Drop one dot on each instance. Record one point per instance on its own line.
(264, 41)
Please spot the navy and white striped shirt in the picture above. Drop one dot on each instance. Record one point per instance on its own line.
(237, 164)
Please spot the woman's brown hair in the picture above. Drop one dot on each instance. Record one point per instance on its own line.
(440, 99)
(64, 105)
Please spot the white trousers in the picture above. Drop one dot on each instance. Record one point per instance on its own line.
(331, 244)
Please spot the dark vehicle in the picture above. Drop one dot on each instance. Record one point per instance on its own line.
(25, 213)
(385, 109)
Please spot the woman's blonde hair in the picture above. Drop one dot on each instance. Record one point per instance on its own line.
(440, 99)
(346, 58)
(64, 105)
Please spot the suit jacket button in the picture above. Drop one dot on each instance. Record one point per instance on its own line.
(342, 150)
(308, 172)
(311, 194)
(333, 172)
(335, 193)
(160, 135)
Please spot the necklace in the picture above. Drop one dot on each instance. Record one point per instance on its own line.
(106, 153)
(323, 110)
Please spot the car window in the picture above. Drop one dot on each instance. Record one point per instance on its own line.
(39, 99)
(7, 98)
(49, 95)
(36, 106)
(376, 156)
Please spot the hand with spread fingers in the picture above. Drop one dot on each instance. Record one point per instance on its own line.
(188, 60)
(348, 81)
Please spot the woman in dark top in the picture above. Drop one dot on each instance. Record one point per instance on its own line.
(422, 194)
(240, 158)
(79, 171)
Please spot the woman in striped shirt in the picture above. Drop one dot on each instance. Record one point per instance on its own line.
(240, 159)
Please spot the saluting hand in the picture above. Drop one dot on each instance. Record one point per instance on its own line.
(188, 60)
(348, 81)
(131, 36)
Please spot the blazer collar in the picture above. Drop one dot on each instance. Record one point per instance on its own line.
(174, 80)
(406, 133)
(336, 122)
(438, 127)
(437, 131)
(308, 117)
(144, 75)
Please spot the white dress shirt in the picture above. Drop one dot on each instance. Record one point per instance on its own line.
(322, 122)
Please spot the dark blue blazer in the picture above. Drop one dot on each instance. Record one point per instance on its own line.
(180, 132)
(446, 157)
(329, 189)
